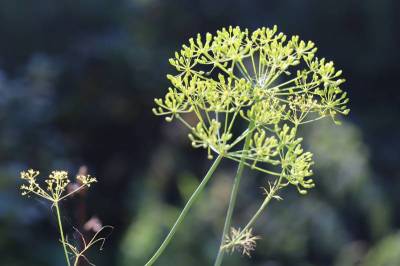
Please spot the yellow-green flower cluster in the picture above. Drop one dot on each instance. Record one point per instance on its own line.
(56, 184)
(272, 82)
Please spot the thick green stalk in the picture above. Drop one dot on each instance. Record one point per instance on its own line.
(185, 211)
(60, 227)
(232, 200)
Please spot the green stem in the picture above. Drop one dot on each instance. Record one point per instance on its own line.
(232, 200)
(185, 211)
(260, 210)
(60, 227)
(273, 191)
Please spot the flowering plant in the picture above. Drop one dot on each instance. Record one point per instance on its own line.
(271, 83)
(55, 189)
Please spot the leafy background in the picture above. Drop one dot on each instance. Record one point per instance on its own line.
(77, 79)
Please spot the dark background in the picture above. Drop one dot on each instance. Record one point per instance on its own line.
(77, 82)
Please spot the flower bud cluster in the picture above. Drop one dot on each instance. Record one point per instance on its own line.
(272, 82)
(56, 184)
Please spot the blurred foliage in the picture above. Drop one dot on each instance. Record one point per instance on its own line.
(385, 253)
(77, 81)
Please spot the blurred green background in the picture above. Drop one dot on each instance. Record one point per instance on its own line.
(77, 82)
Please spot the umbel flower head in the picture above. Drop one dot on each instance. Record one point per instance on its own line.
(272, 82)
(241, 240)
(56, 184)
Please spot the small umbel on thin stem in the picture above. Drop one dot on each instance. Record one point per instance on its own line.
(54, 189)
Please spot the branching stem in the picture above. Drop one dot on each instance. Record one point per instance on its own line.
(270, 195)
(265, 203)
(185, 211)
(233, 197)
